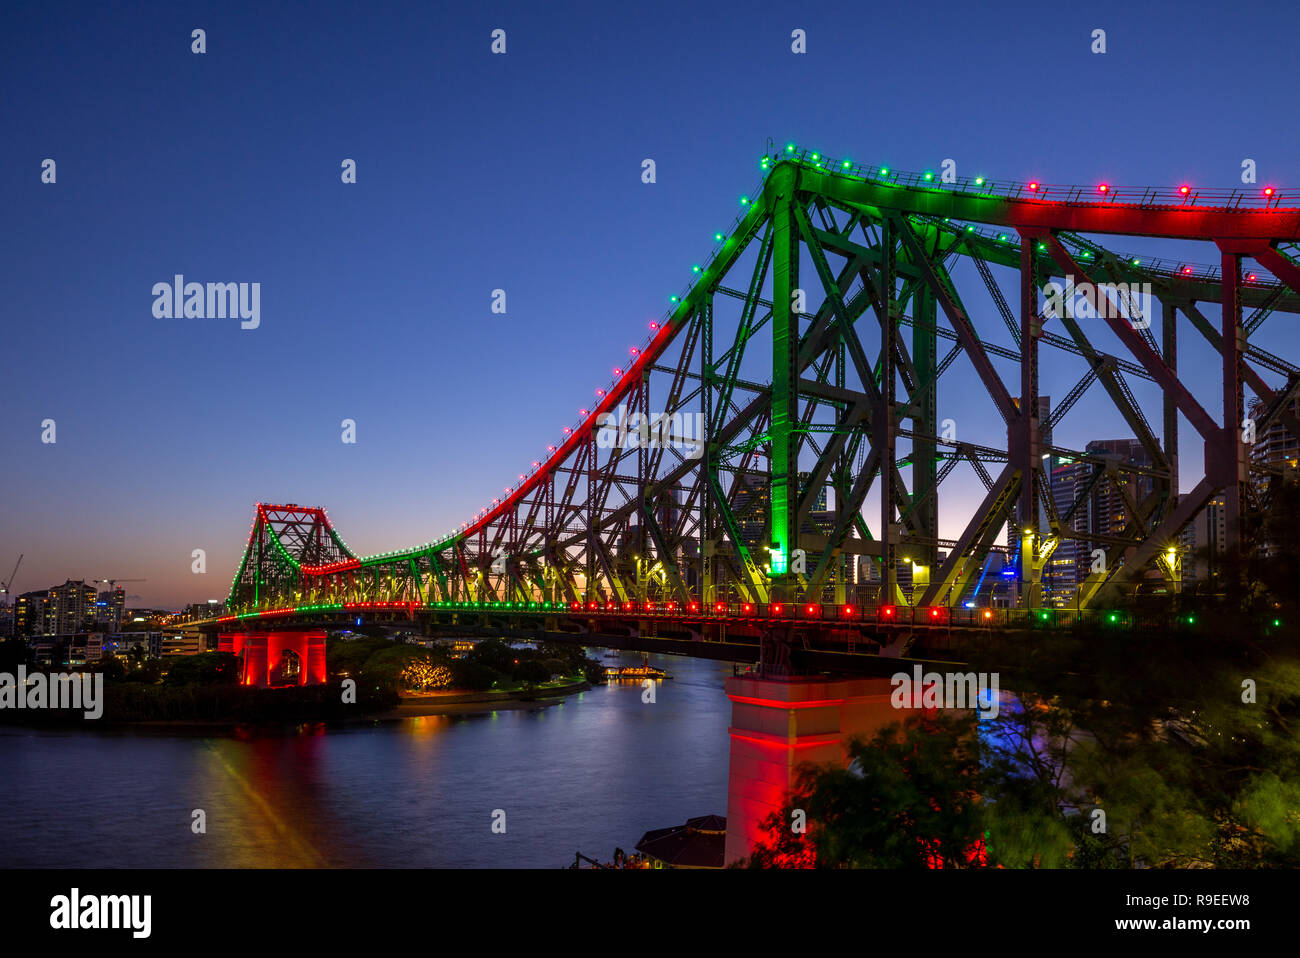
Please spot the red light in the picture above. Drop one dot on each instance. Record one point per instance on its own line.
(1033, 186)
(649, 606)
(617, 371)
(1187, 271)
(718, 607)
(695, 607)
(600, 392)
(934, 613)
(1103, 188)
(1268, 191)
(634, 351)
(811, 609)
(776, 609)
(1250, 278)
(848, 610)
(654, 325)
(1184, 190)
(748, 609)
(582, 412)
(888, 610)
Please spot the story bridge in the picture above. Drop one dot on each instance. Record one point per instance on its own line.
(771, 462)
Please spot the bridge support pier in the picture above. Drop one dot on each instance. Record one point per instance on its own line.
(777, 725)
(277, 658)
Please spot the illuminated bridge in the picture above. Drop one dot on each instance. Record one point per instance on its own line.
(773, 461)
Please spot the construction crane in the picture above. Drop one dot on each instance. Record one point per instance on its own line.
(7, 586)
(113, 582)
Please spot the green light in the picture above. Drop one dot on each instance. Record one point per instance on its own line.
(744, 201)
(1277, 622)
(1113, 617)
(789, 147)
(844, 165)
(1043, 616)
(970, 229)
(979, 181)
(1134, 261)
(928, 176)
(1191, 620)
(695, 269)
(816, 156)
(1002, 237)
(717, 237)
(1042, 246)
(674, 299)
(884, 171)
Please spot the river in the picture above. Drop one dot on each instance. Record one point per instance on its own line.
(591, 773)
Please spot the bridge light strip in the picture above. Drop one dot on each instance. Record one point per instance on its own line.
(915, 615)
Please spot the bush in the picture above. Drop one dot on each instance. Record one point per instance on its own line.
(532, 672)
(495, 654)
(472, 676)
(206, 668)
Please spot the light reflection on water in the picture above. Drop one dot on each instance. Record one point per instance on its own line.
(588, 774)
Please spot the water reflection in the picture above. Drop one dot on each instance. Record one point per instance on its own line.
(590, 773)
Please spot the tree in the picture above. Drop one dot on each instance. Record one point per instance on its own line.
(472, 676)
(112, 667)
(495, 654)
(400, 666)
(532, 672)
(206, 668)
(910, 798)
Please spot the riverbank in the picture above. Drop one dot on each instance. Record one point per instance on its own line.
(206, 709)
(418, 704)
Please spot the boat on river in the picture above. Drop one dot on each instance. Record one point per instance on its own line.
(643, 671)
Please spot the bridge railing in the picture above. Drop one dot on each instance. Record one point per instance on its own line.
(827, 615)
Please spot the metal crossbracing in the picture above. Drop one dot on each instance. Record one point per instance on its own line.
(779, 441)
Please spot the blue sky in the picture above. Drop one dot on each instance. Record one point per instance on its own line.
(478, 172)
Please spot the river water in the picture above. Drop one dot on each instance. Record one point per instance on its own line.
(591, 773)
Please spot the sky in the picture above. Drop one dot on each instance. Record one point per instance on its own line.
(478, 172)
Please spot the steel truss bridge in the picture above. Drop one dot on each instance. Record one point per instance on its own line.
(805, 359)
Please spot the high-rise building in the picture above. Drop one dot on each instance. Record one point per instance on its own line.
(1276, 449)
(752, 506)
(1103, 511)
(74, 606)
(1274, 456)
(1071, 561)
(1202, 541)
(34, 614)
(109, 607)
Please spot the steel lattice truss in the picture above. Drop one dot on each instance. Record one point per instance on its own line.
(809, 353)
